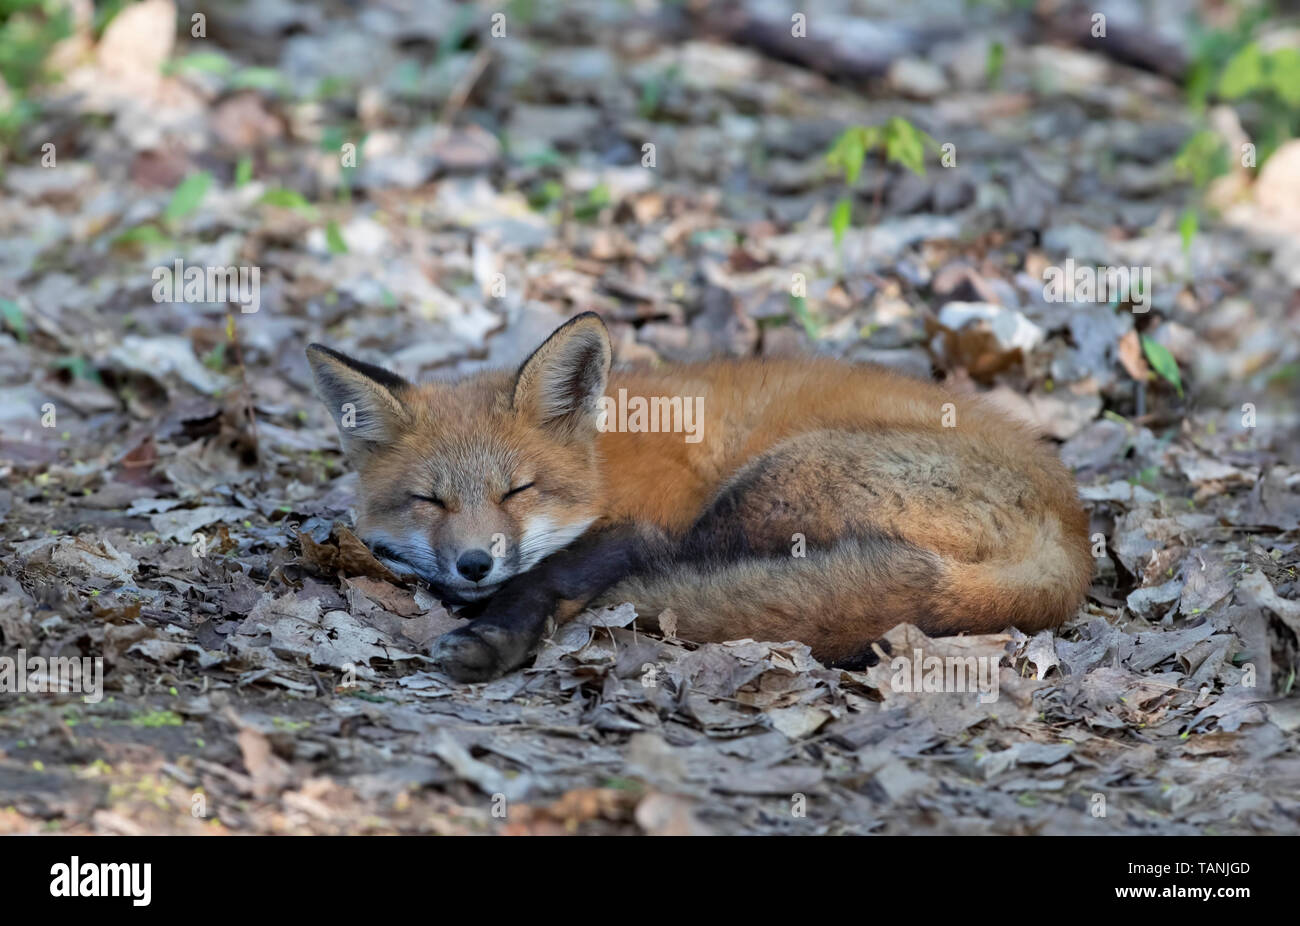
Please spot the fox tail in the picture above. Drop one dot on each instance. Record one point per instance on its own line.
(841, 599)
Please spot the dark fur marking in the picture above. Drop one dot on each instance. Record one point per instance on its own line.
(864, 658)
(600, 559)
(718, 535)
(386, 378)
(579, 572)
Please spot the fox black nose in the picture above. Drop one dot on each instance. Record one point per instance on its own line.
(474, 564)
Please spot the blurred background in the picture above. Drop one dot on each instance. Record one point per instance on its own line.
(437, 183)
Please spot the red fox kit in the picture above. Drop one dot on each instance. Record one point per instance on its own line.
(808, 500)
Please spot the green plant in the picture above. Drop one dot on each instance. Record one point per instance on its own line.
(811, 326)
(285, 198)
(334, 238)
(184, 200)
(455, 35)
(597, 198)
(548, 194)
(654, 90)
(1271, 81)
(1230, 66)
(1188, 225)
(1211, 50)
(29, 29)
(1162, 362)
(993, 63)
(1203, 157)
(200, 62)
(187, 196)
(899, 142)
(12, 315)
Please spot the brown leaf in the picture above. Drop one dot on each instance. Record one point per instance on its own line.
(118, 638)
(669, 815)
(324, 557)
(355, 559)
(115, 613)
(242, 122)
(1130, 356)
(386, 595)
(137, 466)
(573, 807)
(269, 772)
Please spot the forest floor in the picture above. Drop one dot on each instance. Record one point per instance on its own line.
(420, 193)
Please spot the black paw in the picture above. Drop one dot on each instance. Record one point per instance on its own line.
(479, 653)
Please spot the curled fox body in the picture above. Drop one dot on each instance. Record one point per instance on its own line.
(816, 501)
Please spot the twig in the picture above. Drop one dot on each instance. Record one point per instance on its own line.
(464, 87)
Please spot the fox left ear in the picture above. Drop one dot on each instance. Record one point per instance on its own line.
(363, 399)
(563, 380)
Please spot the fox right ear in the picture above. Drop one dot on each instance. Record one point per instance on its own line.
(361, 397)
(562, 382)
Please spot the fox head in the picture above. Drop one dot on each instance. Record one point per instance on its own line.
(466, 484)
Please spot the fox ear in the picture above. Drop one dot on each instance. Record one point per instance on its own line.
(562, 382)
(361, 397)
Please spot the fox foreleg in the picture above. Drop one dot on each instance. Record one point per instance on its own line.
(514, 620)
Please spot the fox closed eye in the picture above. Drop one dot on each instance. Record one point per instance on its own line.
(517, 489)
(431, 499)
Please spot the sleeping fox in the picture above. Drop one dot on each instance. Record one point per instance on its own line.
(812, 500)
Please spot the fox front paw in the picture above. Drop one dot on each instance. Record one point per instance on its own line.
(479, 653)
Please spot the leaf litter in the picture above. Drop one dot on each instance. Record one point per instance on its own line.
(187, 518)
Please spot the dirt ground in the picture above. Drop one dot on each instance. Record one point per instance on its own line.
(421, 192)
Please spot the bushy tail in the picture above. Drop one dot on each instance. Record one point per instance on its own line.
(841, 599)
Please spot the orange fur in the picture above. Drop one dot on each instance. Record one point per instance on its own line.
(915, 504)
